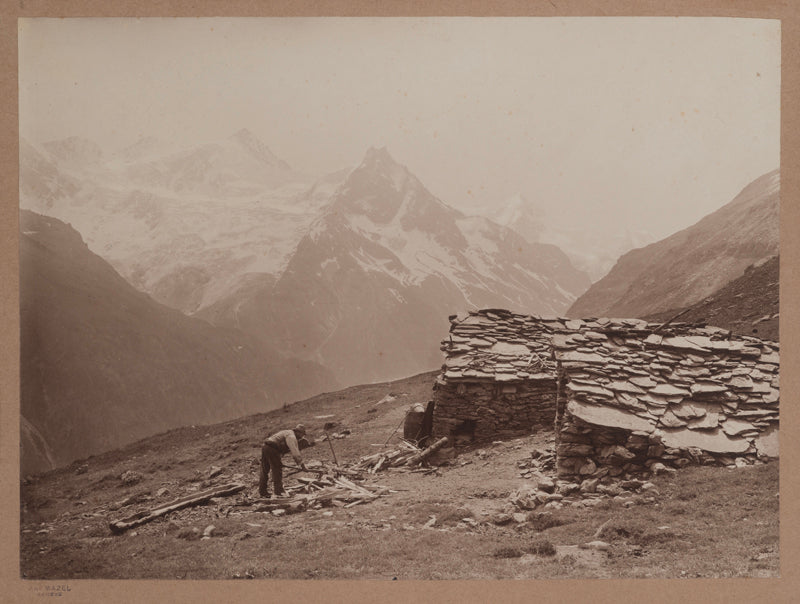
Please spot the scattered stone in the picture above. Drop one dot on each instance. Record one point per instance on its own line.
(519, 517)
(589, 485)
(568, 488)
(611, 490)
(278, 512)
(659, 468)
(209, 531)
(130, 477)
(547, 485)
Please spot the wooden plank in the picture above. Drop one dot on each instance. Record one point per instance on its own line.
(120, 526)
(420, 457)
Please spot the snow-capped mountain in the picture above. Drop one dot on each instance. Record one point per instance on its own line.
(41, 183)
(236, 166)
(75, 151)
(181, 244)
(368, 289)
(358, 270)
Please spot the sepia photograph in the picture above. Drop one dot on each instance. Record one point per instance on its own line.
(399, 298)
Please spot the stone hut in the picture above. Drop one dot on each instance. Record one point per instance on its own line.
(621, 394)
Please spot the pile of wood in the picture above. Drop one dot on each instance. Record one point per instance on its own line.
(394, 458)
(406, 455)
(327, 490)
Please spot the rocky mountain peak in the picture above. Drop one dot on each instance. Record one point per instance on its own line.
(377, 188)
(378, 155)
(379, 163)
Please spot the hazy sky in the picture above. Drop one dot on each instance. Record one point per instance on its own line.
(640, 123)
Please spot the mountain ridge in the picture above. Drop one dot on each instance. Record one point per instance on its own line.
(691, 264)
(103, 364)
(369, 286)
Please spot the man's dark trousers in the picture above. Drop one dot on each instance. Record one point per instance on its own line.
(270, 460)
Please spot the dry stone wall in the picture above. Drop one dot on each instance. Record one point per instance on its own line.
(483, 411)
(627, 394)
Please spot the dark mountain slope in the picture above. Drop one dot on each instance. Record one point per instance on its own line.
(693, 263)
(748, 305)
(103, 365)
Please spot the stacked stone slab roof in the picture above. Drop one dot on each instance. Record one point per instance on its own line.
(676, 385)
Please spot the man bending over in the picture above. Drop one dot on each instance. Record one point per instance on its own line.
(274, 447)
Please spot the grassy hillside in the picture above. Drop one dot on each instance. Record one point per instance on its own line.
(749, 305)
(452, 523)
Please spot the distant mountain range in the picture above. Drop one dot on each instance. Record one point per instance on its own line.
(103, 364)
(691, 264)
(369, 287)
(185, 226)
(288, 286)
(304, 267)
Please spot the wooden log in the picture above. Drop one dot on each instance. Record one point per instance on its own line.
(377, 466)
(356, 502)
(120, 526)
(422, 456)
(402, 459)
(353, 487)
